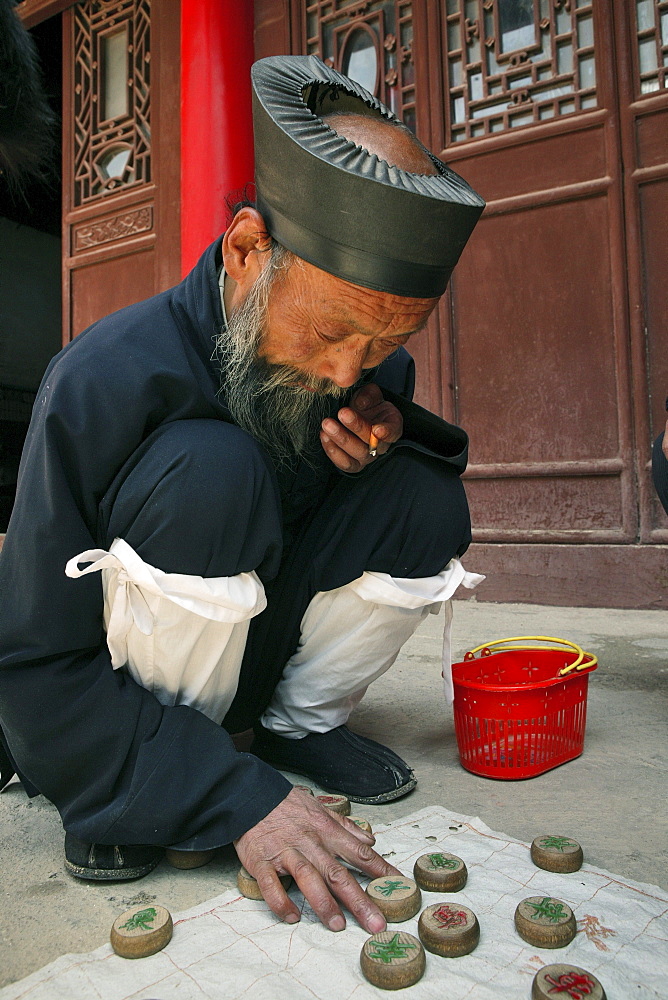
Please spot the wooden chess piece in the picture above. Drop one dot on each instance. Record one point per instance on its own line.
(449, 929)
(337, 803)
(397, 897)
(141, 931)
(556, 854)
(440, 872)
(545, 922)
(554, 981)
(393, 960)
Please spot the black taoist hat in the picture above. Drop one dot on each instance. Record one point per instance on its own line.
(340, 207)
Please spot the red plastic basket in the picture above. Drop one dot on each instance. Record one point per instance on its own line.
(521, 710)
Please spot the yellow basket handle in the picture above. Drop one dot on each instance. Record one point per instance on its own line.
(578, 664)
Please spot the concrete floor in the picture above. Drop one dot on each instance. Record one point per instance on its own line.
(612, 799)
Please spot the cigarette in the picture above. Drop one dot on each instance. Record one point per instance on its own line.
(373, 446)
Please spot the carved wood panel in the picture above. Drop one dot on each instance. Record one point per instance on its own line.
(651, 46)
(121, 191)
(643, 43)
(516, 62)
(370, 41)
(112, 97)
(87, 235)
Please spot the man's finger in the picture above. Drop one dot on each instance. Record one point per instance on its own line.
(383, 423)
(354, 438)
(336, 882)
(341, 459)
(363, 857)
(350, 431)
(368, 396)
(384, 420)
(356, 448)
(275, 895)
(357, 831)
(357, 853)
(346, 888)
(355, 423)
(315, 890)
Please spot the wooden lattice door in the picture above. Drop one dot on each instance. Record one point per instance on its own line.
(538, 332)
(121, 156)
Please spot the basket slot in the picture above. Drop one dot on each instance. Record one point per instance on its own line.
(519, 745)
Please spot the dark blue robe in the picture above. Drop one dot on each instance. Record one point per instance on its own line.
(119, 766)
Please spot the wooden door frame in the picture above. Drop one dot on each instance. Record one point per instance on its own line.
(623, 463)
(32, 12)
(633, 110)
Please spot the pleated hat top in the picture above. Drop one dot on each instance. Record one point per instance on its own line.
(336, 205)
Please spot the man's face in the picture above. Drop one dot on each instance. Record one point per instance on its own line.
(297, 341)
(325, 327)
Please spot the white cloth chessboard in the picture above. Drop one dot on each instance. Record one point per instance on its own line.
(231, 947)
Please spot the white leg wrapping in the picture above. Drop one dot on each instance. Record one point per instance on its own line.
(349, 637)
(181, 637)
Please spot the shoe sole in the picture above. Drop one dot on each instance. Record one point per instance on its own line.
(109, 874)
(376, 800)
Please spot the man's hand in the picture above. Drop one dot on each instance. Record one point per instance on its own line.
(303, 839)
(346, 440)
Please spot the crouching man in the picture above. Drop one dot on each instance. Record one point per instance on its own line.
(230, 515)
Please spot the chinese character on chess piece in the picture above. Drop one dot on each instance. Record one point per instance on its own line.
(440, 872)
(566, 982)
(337, 803)
(392, 960)
(141, 931)
(397, 898)
(556, 854)
(545, 922)
(449, 930)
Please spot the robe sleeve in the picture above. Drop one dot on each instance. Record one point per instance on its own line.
(119, 766)
(424, 431)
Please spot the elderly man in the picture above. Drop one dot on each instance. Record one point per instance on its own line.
(207, 537)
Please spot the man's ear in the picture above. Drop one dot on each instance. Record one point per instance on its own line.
(246, 246)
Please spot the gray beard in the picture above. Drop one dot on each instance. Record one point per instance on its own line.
(265, 399)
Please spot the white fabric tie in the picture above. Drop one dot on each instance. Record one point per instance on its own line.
(402, 592)
(180, 636)
(470, 581)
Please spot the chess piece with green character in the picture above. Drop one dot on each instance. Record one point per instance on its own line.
(392, 960)
(397, 897)
(141, 931)
(545, 922)
(556, 853)
(440, 872)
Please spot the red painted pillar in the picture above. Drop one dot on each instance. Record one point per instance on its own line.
(216, 122)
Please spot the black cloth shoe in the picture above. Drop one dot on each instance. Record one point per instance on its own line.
(107, 863)
(339, 761)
